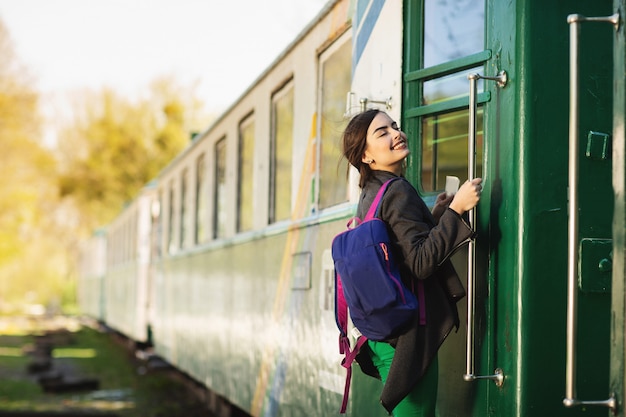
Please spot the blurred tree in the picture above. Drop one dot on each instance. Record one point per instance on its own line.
(115, 146)
(28, 194)
(49, 199)
(17, 105)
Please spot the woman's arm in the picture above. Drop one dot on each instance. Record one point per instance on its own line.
(423, 244)
(441, 204)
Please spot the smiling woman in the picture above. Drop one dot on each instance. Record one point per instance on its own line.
(423, 241)
(386, 145)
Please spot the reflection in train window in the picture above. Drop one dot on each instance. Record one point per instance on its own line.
(219, 219)
(184, 210)
(336, 64)
(131, 237)
(157, 228)
(449, 87)
(111, 248)
(444, 147)
(281, 155)
(246, 173)
(452, 29)
(201, 200)
(170, 220)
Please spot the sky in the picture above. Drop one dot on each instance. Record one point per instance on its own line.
(222, 46)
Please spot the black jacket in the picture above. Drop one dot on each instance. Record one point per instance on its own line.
(423, 249)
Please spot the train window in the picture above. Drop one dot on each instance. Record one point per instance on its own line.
(118, 255)
(246, 172)
(124, 242)
(119, 252)
(201, 199)
(131, 238)
(436, 88)
(219, 219)
(109, 251)
(184, 210)
(444, 147)
(452, 86)
(452, 29)
(336, 74)
(170, 220)
(123, 255)
(157, 225)
(281, 147)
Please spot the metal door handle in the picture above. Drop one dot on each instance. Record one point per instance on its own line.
(570, 399)
(498, 376)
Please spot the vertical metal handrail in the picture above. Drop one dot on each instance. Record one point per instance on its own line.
(498, 376)
(570, 399)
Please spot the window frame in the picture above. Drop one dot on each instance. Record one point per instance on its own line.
(285, 90)
(345, 39)
(220, 155)
(243, 198)
(200, 231)
(414, 77)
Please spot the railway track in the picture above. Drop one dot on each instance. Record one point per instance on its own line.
(66, 367)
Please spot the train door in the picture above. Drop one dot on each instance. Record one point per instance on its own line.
(444, 42)
(512, 360)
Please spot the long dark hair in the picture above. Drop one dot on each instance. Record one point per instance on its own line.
(355, 141)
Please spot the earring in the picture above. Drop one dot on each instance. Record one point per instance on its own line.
(369, 161)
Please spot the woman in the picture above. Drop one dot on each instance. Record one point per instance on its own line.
(423, 242)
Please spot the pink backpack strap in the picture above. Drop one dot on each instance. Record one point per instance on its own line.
(371, 213)
(347, 363)
(341, 310)
(421, 301)
(341, 315)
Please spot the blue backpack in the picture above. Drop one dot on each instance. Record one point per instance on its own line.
(378, 301)
(368, 286)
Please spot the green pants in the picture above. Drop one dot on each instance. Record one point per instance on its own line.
(422, 400)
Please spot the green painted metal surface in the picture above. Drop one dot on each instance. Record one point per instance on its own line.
(618, 349)
(522, 241)
(267, 339)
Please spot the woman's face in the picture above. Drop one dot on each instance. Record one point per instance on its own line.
(386, 145)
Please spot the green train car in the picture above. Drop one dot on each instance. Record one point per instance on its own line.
(237, 279)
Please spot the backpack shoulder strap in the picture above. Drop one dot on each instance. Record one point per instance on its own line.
(371, 213)
(341, 308)
(347, 363)
(341, 317)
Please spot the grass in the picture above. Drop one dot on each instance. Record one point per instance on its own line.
(123, 390)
